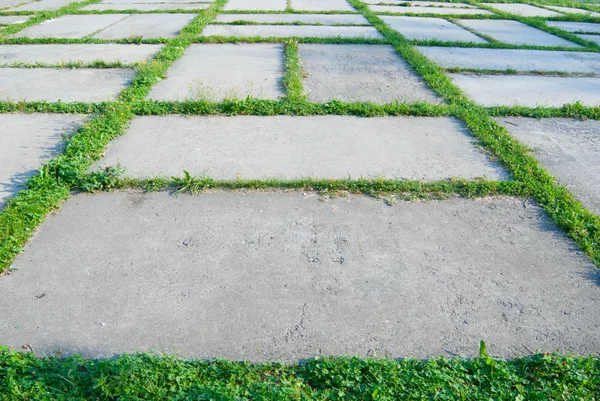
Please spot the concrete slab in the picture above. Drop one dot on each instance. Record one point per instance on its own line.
(569, 149)
(62, 54)
(43, 5)
(419, 28)
(147, 26)
(515, 33)
(570, 10)
(26, 142)
(71, 26)
(369, 73)
(13, 19)
(52, 85)
(321, 5)
(301, 31)
(146, 7)
(286, 147)
(530, 91)
(11, 3)
(211, 72)
(591, 38)
(323, 19)
(247, 5)
(519, 60)
(421, 4)
(429, 10)
(156, 1)
(583, 27)
(285, 276)
(524, 10)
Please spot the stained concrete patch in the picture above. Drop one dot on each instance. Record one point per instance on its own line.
(530, 91)
(370, 73)
(44, 5)
(13, 19)
(266, 5)
(286, 147)
(515, 33)
(524, 10)
(321, 5)
(570, 10)
(212, 72)
(324, 19)
(26, 142)
(569, 149)
(591, 38)
(583, 27)
(519, 60)
(67, 85)
(147, 26)
(71, 26)
(429, 10)
(283, 31)
(62, 54)
(286, 276)
(430, 29)
(146, 7)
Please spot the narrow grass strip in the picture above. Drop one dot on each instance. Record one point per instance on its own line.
(568, 111)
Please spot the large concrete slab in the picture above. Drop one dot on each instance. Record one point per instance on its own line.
(569, 149)
(583, 27)
(147, 26)
(11, 3)
(13, 19)
(212, 72)
(287, 147)
(519, 60)
(247, 5)
(419, 28)
(283, 31)
(71, 26)
(429, 10)
(156, 1)
(524, 10)
(61, 54)
(286, 276)
(591, 38)
(52, 85)
(570, 10)
(530, 91)
(515, 33)
(44, 5)
(370, 73)
(146, 7)
(321, 5)
(26, 142)
(323, 19)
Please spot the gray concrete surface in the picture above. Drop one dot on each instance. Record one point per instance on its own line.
(286, 147)
(421, 28)
(524, 10)
(26, 142)
(287, 276)
(515, 33)
(266, 5)
(67, 85)
(13, 19)
(146, 7)
(147, 26)
(530, 91)
(156, 1)
(591, 38)
(570, 10)
(428, 10)
(282, 31)
(212, 72)
(11, 3)
(324, 19)
(321, 5)
(71, 26)
(519, 60)
(44, 5)
(583, 27)
(61, 54)
(370, 73)
(569, 149)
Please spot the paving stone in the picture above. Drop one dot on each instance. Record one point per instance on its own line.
(10, 3)
(515, 33)
(570, 10)
(285, 276)
(524, 10)
(212, 72)
(282, 31)
(324, 19)
(26, 142)
(370, 73)
(14, 19)
(44, 5)
(583, 27)
(591, 38)
(530, 91)
(147, 26)
(419, 28)
(156, 1)
(520, 60)
(61, 54)
(267, 5)
(286, 147)
(71, 26)
(429, 10)
(146, 7)
(67, 85)
(569, 149)
(321, 5)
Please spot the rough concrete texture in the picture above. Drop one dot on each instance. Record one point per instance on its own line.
(324, 19)
(13, 19)
(44, 5)
(583, 27)
(370, 73)
(520, 60)
(321, 5)
(286, 147)
(428, 10)
(211, 72)
(570, 10)
(283, 31)
(524, 10)
(430, 28)
(26, 142)
(146, 7)
(71, 26)
(155, 1)
(147, 26)
(530, 91)
(591, 38)
(10, 3)
(67, 85)
(267, 5)
(287, 276)
(61, 54)
(515, 33)
(569, 149)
